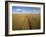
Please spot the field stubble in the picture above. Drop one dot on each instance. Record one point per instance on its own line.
(21, 21)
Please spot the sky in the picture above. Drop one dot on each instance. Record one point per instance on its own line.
(25, 10)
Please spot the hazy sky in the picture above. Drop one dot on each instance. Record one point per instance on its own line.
(25, 10)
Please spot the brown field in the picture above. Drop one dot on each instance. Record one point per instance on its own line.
(25, 21)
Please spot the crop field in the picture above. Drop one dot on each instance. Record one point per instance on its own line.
(25, 21)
